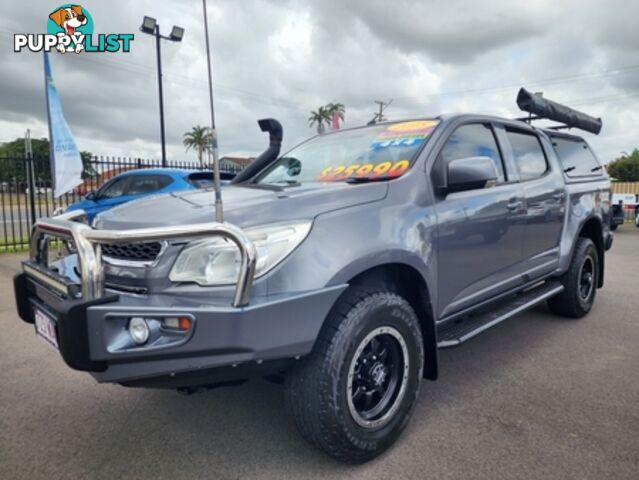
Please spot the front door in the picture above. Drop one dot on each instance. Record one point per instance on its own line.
(480, 231)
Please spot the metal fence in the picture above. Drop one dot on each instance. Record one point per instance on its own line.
(17, 201)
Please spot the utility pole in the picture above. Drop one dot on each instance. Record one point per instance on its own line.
(379, 116)
(219, 215)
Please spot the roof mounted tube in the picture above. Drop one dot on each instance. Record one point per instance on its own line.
(536, 104)
(274, 129)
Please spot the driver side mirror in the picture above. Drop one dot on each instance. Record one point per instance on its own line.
(90, 196)
(470, 173)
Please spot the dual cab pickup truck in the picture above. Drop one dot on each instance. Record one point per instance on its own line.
(341, 267)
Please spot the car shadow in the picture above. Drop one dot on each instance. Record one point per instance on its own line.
(245, 431)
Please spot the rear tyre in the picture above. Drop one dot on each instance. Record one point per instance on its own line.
(613, 227)
(580, 282)
(353, 394)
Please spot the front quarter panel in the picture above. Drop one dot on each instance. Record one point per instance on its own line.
(347, 242)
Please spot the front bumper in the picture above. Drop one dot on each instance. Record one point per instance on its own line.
(91, 334)
(90, 323)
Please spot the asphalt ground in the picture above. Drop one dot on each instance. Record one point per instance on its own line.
(536, 397)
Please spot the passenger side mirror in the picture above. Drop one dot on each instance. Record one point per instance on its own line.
(470, 173)
(90, 196)
(294, 167)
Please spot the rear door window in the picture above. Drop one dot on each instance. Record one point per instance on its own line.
(577, 160)
(141, 184)
(529, 155)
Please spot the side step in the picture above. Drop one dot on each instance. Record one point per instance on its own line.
(457, 332)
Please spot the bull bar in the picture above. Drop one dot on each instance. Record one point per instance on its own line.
(87, 241)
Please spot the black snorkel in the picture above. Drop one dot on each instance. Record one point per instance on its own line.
(274, 128)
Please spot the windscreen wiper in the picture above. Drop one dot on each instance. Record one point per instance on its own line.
(368, 179)
(273, 185)
(262, 186)
(290, 183)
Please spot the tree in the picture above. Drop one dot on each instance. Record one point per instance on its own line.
(15, 148)
(199, 138)
(12, 160)
(320, 117)
(336, 108)
(625, 168)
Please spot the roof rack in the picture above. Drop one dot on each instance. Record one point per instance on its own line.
(539, 108)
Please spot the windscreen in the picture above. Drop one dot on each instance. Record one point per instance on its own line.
(381, 151)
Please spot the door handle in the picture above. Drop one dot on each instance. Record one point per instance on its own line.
(513, 205)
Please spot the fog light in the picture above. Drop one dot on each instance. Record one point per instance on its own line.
(139, 330)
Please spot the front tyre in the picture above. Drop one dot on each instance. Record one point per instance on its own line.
(580, 282)
(353, 395)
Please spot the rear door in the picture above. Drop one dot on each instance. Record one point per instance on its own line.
(545, 198)
(480, 231)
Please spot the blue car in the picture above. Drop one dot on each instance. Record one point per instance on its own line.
(136, 184)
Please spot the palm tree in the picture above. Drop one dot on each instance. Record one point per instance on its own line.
(319, 117)
(198, 138)
(336, 108)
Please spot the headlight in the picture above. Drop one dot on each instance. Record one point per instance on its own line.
(216, 261)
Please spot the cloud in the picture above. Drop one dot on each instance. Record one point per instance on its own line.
(454, 31)
(284, 58)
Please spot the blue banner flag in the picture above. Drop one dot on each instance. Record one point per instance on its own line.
(66, 163)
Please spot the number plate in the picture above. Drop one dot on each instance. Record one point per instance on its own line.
(45, 328)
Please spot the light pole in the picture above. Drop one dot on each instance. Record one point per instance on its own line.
(150, 26)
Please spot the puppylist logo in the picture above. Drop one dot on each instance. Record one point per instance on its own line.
(70, 29)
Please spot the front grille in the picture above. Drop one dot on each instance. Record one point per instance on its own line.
(137, 252)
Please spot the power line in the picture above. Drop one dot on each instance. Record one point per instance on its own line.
(608, 99)
(547, 81)
(183, 80)
(143, 69)
(572, 103)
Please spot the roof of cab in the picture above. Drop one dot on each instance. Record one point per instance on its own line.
(176, 171)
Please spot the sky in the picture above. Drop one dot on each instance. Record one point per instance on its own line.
(284, 58)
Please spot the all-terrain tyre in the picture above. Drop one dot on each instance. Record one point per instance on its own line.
(580, 282)
(354, 393)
